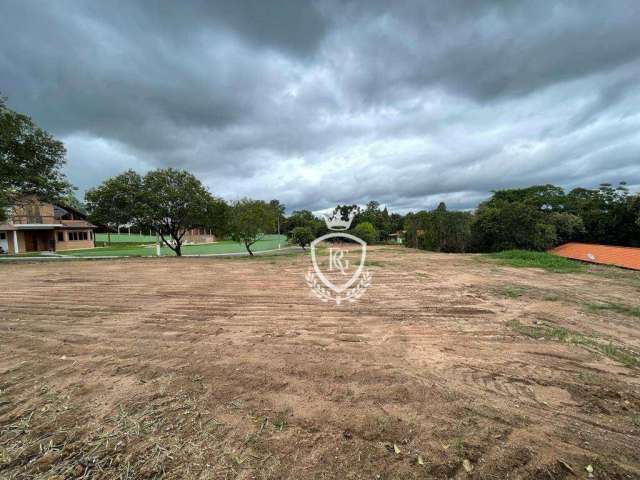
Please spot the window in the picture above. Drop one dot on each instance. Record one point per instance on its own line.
(78, 236)
(61, 236)
(3, 236)
(90, 235)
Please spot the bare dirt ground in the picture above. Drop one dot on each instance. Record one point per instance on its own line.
(448, 367)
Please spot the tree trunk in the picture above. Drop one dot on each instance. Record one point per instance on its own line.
(109, 237)
(248, 249)
(178, 249)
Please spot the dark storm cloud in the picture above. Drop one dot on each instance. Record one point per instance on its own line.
(410, 103)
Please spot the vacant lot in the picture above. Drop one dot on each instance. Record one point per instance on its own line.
(448, 367)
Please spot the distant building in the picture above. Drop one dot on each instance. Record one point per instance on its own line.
(396, 237)
(36, 226)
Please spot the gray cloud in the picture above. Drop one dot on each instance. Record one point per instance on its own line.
(315, 103)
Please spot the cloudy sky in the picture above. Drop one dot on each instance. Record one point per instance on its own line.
(318, 103)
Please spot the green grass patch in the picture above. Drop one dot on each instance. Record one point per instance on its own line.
(125, 238)
(614, 307)
(561, 334)
(20, 255)
(269, 242)
(122, 244)
(528, 259)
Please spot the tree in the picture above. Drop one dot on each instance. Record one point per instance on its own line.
(278, 214)
(170, 203)
(345, 211)
(250, 220)
(379, 218)
(218, 217)
(71, 201)
(512, 225)
(366, 231)
(302, 236)
(304, 218)
(116, 201)
(396, 222)
(31, 160)
(440, 230)
(567, 226)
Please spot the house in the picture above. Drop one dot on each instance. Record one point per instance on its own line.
(625, 257)
(36, 226)
(396, 237)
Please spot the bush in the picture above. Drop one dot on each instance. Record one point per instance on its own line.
(367, 232)
(301, 236)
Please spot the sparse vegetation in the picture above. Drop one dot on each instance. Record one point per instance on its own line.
(614, 307)
(561, 334)
(513, 291)
(529, 259)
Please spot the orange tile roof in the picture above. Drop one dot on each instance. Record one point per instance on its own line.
(626, 257)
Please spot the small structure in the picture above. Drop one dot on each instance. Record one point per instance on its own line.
(198, 235)
(36, 226)
(396, 237)
(625, 257)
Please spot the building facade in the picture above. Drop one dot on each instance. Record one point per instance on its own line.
(36, 226)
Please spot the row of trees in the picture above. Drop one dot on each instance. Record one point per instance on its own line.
(371, 223)
(533, 218)
(170, 202)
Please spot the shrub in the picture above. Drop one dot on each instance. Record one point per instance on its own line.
(301, 236)
(367, 232)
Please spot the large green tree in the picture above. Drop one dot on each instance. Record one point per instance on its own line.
(512, 225)
(250, 220)
(168, 202)
(31, 160)
(171, 203)
(218, 217)
(116, 201)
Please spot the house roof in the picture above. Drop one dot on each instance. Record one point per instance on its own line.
(626, 257)
(76, 224)
(75, 211)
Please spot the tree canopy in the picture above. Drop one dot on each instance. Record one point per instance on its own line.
(301, 236)
(116, 201)
(167, 201)
(250, 220)
(31, 160)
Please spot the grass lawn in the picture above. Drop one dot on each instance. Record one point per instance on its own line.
(125, 238)
(527, 259)
(269, 242)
